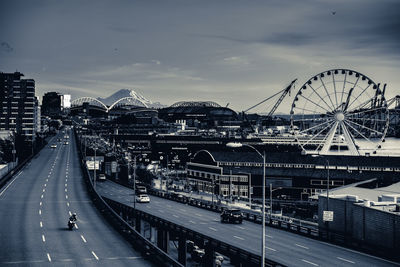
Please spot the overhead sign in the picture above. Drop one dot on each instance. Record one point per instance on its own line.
(328, 216)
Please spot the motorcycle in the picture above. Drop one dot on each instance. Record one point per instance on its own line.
(71, 224)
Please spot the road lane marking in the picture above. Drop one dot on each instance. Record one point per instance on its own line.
(94, 254)
(40, 212)
(269, 236)
(44, 190)
(240, 227)
(182, 210)
(176, 216)
(211, 228)
(270, 248)
(66, 190)
(238, 237)
(76, 226)
(41, 224)
(198, 214)
(70, 214)
(68, 204)
(40, 204)
(2, 192)
(309, 262)
(192, 222)
(301, 246)
(84, 240)
(48, 257)
(66, 185)
(342, 259)
(43, 238)
(45, 185)
(161, 211)
(41, 196)
(66, 196)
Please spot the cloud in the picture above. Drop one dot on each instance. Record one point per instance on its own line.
(6, 47)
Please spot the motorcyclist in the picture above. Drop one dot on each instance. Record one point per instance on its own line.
(73, 218)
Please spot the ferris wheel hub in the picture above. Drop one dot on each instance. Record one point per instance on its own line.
(339, 116)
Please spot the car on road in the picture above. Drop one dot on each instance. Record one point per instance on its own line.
(232, 216)
(53, 146)
(66, 143)
(142, 198)
(102, 177)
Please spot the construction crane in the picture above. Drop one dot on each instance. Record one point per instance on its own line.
(283, 93)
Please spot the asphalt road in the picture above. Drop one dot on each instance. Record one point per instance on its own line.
(284, 247)
(35, 206)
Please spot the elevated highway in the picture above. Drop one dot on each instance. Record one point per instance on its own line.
(35, 206)
(281, 246)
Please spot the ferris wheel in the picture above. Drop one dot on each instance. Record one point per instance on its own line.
(340, 111)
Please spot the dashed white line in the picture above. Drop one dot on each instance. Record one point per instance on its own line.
(40, 204)
(66, 190)
(211, 228)
(44, 190)
(192, 222)
(68, 204)
(41, 196)
(43, 238)
(48, 257)
(41, 224)
(342, 259)
(40, 212)
(238, 237)
(84, 240)
(94, 254)
(240, 227)
(76, 226)
(70, 214)
(309, 262)
(270, 248)
(301, 246)
(198, 215)
(66, 196)
(269, 236)
(66, 185)
(45, 185)
(176, 216)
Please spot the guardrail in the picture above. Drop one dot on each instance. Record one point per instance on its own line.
(283, 222)
(140, 243)
(240, 255)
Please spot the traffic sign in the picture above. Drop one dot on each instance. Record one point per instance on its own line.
(328, 216)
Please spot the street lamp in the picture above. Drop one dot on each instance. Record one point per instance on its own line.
(263, 197)
(270, 199)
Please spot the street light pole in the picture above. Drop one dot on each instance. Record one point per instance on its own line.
(94, 176)
(263, 197)
(134, 182)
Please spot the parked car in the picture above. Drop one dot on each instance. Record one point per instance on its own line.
(232, 216)
(142, 198)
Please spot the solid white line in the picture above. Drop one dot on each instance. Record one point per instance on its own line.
(2, 192)
(84, 240)
(43, 239)
(309, 262)
(270, 248)
(94, 254)
(238, 237)
(41, 224)
(212, 229)
(345, 260)
(301, 246)
(48, 256)
(40, 212)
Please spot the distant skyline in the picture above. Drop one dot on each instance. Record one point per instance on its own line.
(227, 51)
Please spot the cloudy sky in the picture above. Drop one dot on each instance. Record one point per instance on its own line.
(228, 51)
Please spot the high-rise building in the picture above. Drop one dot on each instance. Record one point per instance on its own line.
(52, 104)
(17, 104)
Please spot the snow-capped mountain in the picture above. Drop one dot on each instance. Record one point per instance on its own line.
(129, 93)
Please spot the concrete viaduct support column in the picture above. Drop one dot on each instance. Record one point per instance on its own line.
(182, 250)
(163, 240)
(138, 224)
(209, 257)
